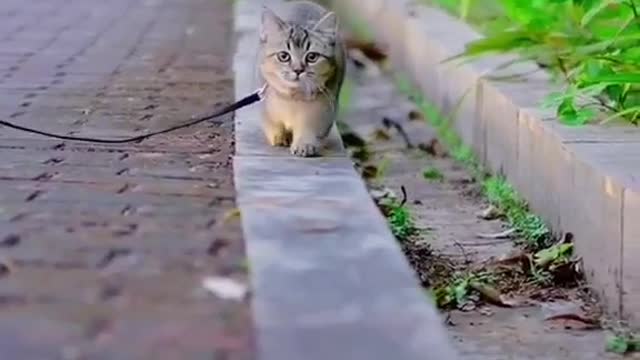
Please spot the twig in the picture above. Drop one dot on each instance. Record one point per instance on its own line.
(464, 253)
(387, 122)
(404, 195)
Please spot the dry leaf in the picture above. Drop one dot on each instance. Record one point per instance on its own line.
(232, 214)
(574, 321)
(368, 48)
(485, 311)
(490, 294)
(490, 213)
(415, 115)
(381, 135)
(433, 148)
(370, 171)
(225, 288)
(501, 235)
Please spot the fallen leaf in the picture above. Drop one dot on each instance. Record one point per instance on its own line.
(364, 62)
(501, 235)
(232, 215)
(381, 135)
(485, 311)
(489, 293)
(368, 48)
(567, 273)
(379, 194)
(515, 258)
(415, 115)
(370, 171)
(512, 257)
(574, 321)
(352, 139)
(216, 246)
(490, 213)
(467, 306)
(118, 260)
(433, 148)
(225, 288)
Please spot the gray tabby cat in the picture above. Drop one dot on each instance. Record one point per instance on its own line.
(302, 61)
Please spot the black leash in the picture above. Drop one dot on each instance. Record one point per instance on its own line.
(246, 101)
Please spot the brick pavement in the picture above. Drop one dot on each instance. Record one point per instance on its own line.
(103, 247)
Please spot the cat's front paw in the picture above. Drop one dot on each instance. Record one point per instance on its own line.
(279, 138)
(305, 149)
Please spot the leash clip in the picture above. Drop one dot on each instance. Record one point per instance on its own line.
(261, 91)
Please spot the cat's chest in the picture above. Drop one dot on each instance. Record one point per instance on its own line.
(291, 112)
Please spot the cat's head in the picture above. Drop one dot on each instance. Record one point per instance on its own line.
(298, 60)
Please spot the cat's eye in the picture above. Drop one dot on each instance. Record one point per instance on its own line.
(312, 57)
(283, 56)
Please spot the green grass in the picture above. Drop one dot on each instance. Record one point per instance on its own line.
(433, 174)
(400, 219)
(623, 344)
(528, 226)
(456, 292)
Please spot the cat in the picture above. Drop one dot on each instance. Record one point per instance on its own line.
(302, 62)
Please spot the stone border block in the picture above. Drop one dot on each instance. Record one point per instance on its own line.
(630, 251)
(581, 180)
(329, 279)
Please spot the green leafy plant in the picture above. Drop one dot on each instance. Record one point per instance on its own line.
(399, 218)
(554, 256)
(432, 174)
(526, 224)
(593, 46)
(623, 344)
(499, 192)
(456, 292)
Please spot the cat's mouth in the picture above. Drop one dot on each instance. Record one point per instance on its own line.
(294, 79)
(295, 83)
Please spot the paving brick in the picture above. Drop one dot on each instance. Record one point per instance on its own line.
(152, 210)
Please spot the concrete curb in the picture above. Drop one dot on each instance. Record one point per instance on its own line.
(591, 172)
(329, 279)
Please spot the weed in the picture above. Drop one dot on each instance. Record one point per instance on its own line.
(399, 217)
(457, 291)
(527, 225)
(623, 344)
(554, 256)
(433, 174)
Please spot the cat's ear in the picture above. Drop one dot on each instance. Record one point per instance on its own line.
(328, 24)
(271, 23)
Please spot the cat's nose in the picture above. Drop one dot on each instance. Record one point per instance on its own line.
(298, 71)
